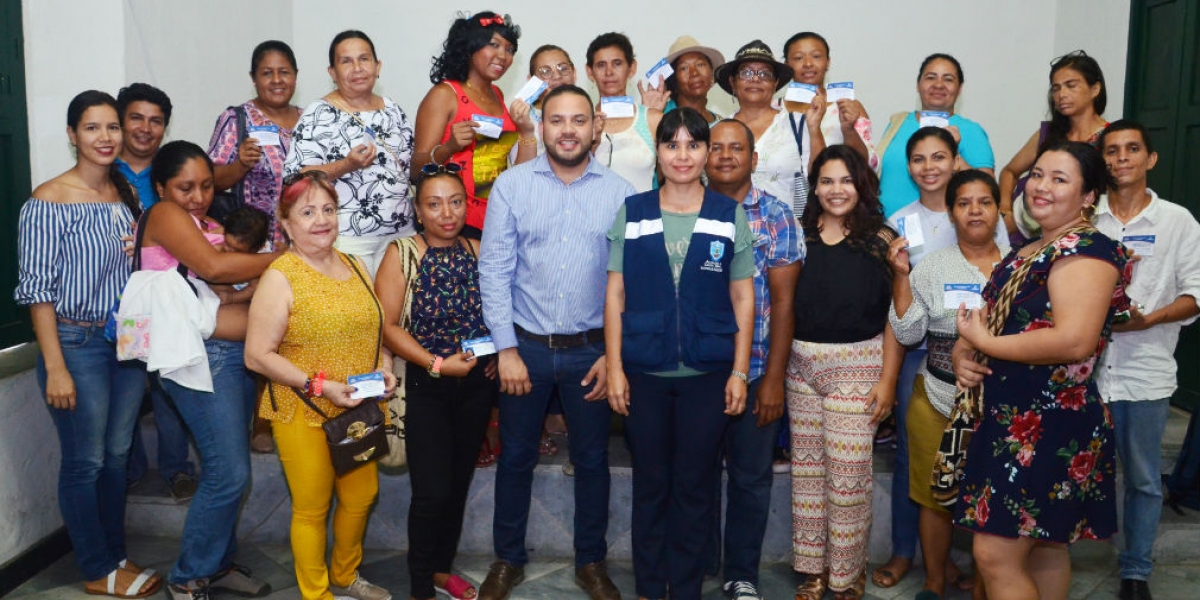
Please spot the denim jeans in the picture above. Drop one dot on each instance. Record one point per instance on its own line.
(747, 451)
(220, 423)
(674, 428)
(94, 439)
(521, 420)
(1138, 428)
(905, 512)
(172, 441)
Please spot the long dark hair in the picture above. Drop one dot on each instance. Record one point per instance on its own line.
(467, 36)
(75, 109)
(866, 218)
(1087, 66)
(171, 158)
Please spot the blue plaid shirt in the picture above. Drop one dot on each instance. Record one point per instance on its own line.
(776, 244)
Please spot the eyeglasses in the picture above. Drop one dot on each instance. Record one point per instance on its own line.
(546, 71)
(295, 178)
(760, 74)
(1075, 54)
(432, 169)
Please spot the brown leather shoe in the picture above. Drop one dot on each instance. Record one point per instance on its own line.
(594, 580)
(502, 577)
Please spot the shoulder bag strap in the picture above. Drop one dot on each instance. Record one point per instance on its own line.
(378, 310)
(239, 190)
(894, 125)
(299, 394)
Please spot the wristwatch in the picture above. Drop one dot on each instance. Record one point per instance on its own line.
(435, 367)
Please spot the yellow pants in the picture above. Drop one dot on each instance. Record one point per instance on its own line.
(311, 479)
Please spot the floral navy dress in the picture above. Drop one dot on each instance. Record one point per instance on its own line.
(1041, 461)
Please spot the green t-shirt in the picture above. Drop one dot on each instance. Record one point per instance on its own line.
(677, 231)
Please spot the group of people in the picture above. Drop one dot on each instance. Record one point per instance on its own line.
(714, 280)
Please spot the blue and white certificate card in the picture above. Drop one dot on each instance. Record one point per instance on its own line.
(956, 294)
(909, 228)
(531, 91)
(618, 107)
(1142, 245)
(659, 72)
(489, 126)
(934, 118)
(480, 346)
(800, 92)
(842, 90)
(367, 385)
(265, 135)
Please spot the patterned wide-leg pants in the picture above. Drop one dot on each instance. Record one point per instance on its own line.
(832, 435)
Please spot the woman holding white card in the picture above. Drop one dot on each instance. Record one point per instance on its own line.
(314, 323)
(255, 162)
(626, 144)
(939, 82)
(925, 299)
(786, 142)
(463, 118)
(363, 142)
(844, 121)
(429, 288)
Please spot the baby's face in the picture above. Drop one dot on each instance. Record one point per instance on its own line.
(234, 244)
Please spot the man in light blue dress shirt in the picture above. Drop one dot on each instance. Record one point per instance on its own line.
(542, 268)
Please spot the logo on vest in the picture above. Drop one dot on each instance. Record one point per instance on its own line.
(716, 251)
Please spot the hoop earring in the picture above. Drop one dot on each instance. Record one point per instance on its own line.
(1087, 215)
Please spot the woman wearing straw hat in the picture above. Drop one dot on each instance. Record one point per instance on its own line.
(694, 67)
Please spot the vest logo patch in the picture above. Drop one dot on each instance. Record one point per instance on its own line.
(716, 249)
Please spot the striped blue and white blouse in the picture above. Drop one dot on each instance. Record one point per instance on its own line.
(72, 255)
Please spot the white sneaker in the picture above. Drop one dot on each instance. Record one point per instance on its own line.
(361, 589)
(741, 590)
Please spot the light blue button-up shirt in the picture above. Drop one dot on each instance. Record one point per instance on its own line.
(544, 255)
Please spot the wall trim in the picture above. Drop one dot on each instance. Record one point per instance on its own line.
(17, 571)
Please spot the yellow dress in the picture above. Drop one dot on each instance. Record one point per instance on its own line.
(333, 326)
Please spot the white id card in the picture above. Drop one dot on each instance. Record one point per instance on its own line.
(265, 135)
(934, 118)
(954, 294)
(618, 107)
(800, 92)
(842, 90)
(532, 89)
(1142, 245)
(367, 385)
(909, 228)
(368, 137)
(480, 346)
(659, 72)
(489, 126)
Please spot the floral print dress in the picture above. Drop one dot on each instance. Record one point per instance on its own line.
(1041, 461)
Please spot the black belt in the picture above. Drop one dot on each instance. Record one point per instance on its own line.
(563, 340)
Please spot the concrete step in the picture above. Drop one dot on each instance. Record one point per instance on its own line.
(266, 514)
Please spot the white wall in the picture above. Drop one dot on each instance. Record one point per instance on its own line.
(199, 52)
(29, 458)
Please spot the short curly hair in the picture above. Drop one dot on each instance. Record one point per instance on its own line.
(467, 36)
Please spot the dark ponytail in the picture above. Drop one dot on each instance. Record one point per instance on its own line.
(125, 191)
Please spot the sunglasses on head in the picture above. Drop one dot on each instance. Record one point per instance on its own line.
(432, 169)
(295, 178)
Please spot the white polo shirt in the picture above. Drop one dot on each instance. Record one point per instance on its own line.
(1140, 365)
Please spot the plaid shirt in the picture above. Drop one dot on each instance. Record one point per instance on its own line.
(776, 244)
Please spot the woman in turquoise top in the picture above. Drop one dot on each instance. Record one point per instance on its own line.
(939, 83)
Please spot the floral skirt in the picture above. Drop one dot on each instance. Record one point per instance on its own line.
(1041, 468)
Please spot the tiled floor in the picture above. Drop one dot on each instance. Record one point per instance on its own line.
(1093, 563)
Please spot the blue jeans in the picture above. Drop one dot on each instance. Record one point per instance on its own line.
(905, 512)
(521, 420)
(674, 428)
(95, 438)
(220, 423)
(172, 441)
(1138, 428)
(748, 455)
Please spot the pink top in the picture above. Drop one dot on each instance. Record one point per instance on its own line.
(156, 258)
